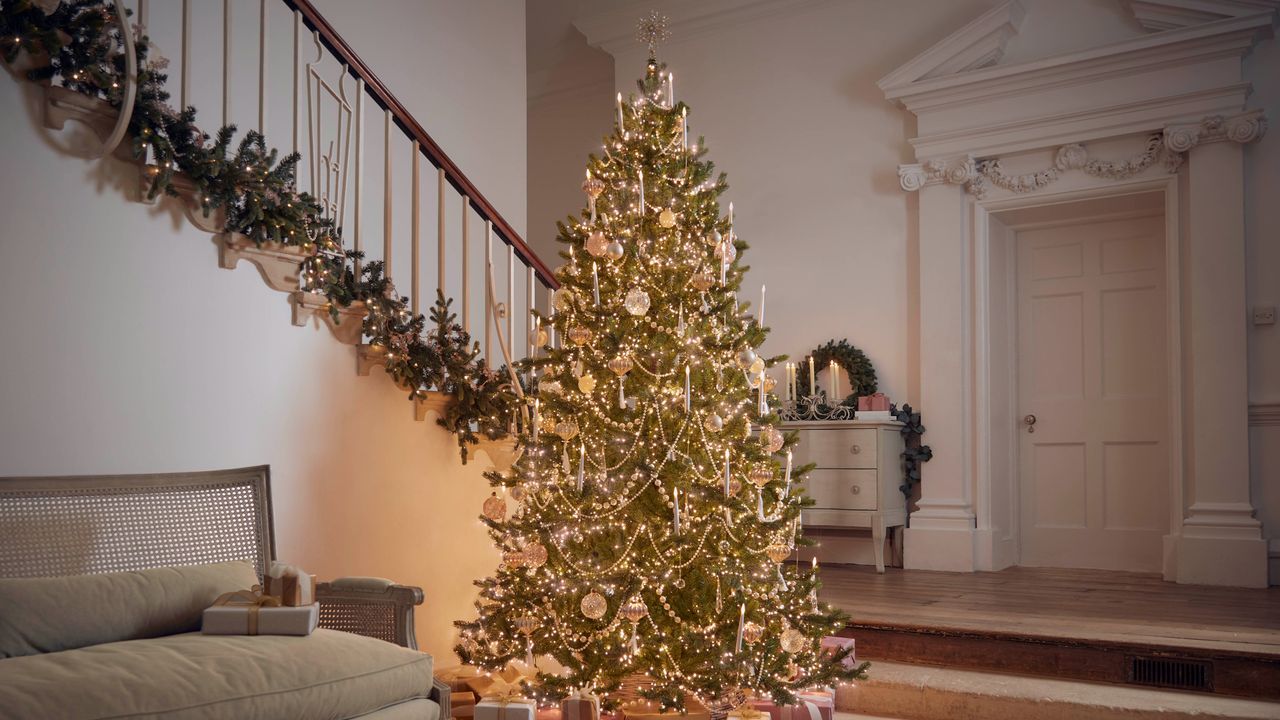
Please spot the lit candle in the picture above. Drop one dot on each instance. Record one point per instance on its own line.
(595, 282)
(551, 302)
(686, 389)
(742, 616)
(684, 125)
(834, 382)
(726, 472)
(621, 129)
(641, 174)
(761, 407)
(671, 89)
(788, 475)
(537, 417)
(731, 221)
(675, 493)
(582, 463)
(813, 594)
(813, 387)
(760, 318)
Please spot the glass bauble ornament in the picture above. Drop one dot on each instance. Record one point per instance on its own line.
(735, 487)
(586, 384)
(751, 632)
(777, 552)
(539, 337)
(579, 335)
(714, 423)
(792, 640)
(636, 302)
(494, 508)
(726, 251)
(596, 243)
(770, 383)
(535, 555)
(620, 365)
(564, 299)
(702, 281)
(714, 237)
(771, 439)
(593, 186)
(757, 367)
(518, 493)
(513, 558)
(746, 358)
(594, 605)
(567, 429)
(667, 218)
(614, 250)
(634, 609)
(526, 624)
(760, 475)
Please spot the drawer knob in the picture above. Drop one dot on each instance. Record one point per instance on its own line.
(856, 489)
(856, 449)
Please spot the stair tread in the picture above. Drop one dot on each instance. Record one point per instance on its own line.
(920, 691)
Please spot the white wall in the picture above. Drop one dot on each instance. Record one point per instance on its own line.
(126, 348)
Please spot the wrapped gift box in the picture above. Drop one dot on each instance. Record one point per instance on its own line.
(257, 620)
(767, 707)
(291, 584)
(456, 677)
(832, 644)
(803, 710)
(820, 700)
(749, 711)
(874, 402)
(581, 705)
(505, 708)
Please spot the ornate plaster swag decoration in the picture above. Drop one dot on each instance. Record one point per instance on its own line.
(1168, 147)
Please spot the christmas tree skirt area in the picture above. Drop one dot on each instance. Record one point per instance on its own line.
(918, 692)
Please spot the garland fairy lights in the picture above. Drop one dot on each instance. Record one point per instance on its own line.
(75, 42)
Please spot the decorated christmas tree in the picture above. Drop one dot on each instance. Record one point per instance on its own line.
(654, 513)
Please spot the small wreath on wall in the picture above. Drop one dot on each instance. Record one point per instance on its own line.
(854, 362)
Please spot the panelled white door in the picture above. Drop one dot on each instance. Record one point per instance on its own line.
(1092, 390)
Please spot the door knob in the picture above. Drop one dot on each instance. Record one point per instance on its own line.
(1030, 420)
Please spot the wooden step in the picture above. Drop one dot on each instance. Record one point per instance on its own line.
(916, 692)
(1204, 667)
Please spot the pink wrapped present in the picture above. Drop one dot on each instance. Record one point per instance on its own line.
(811, 701)
(873, 402)
(580, 705)
(832, 644)
(802, 710)
(767, 706)
(549, 712)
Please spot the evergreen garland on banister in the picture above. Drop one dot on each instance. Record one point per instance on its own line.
(77, 43)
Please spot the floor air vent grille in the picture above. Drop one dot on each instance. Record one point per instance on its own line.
(1167, 672)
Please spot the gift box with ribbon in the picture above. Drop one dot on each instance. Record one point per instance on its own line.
(873, 403)
(802, 710)
(820, 701)
(832, 644)
(580, 705)
(456, 677)
(291, 584)
(767, 707)
(251, 612)
(505, 705)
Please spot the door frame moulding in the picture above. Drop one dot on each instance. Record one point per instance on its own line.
(1156, 112)
(998, 542)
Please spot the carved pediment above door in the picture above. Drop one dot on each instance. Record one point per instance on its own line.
(1160, 15)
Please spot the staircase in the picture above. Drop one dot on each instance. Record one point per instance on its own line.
(353, 137)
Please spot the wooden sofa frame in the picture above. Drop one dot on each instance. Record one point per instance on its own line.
(84, 524)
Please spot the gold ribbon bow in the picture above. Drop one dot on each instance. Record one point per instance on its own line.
(252, 599)
(504, 696)
(747, 712)
(583, 694)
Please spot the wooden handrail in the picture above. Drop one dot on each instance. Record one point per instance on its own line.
(358, 69)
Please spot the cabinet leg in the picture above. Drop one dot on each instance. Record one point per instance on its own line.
(877, 535)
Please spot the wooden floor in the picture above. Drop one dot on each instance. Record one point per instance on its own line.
(1083, 604)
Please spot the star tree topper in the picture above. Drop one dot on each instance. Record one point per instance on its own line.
(652, 31)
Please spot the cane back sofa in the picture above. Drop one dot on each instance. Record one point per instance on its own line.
(52, 527)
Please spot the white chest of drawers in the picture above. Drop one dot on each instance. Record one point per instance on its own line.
(858, 476)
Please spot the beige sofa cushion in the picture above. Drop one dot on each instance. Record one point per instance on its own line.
(39, 615)
(328, 674)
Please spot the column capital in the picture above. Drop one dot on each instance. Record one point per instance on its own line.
(1242, 128)
(956, 171)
